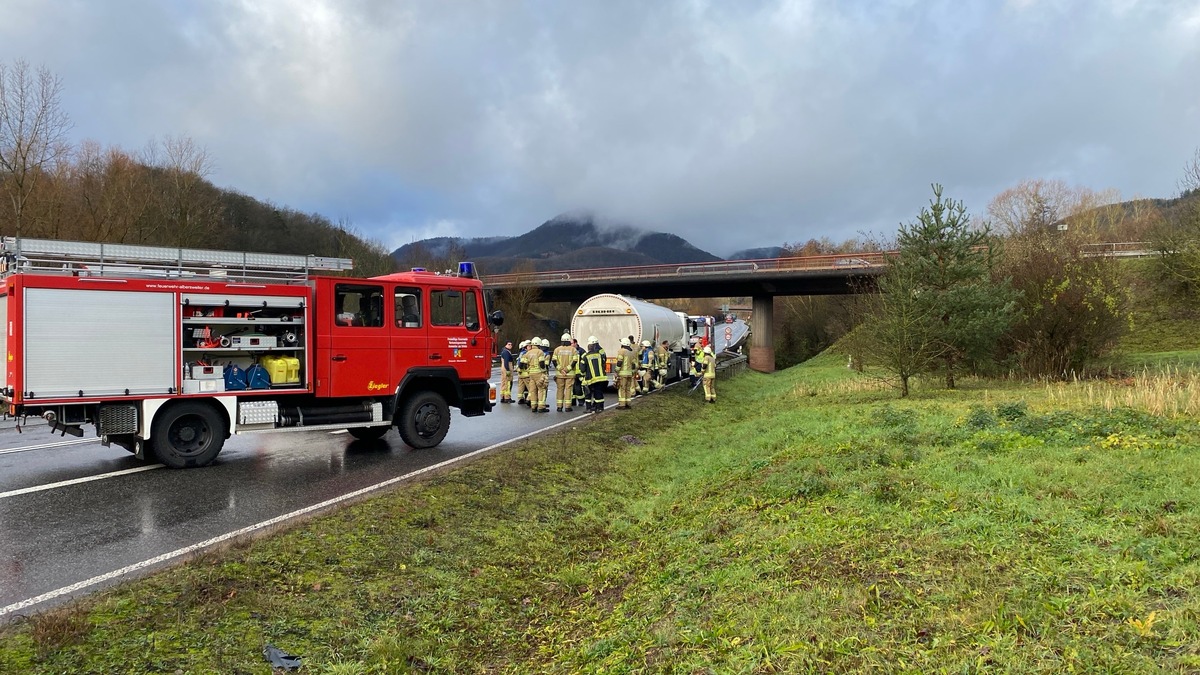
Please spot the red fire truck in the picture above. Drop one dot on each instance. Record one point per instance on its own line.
(168, 351)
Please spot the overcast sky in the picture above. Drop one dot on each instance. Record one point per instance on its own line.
(734, 124)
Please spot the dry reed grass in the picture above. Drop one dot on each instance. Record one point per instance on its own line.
(1171, 392)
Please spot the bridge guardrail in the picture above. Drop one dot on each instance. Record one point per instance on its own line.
(1120, 249)
(800, 263)
(840, 261)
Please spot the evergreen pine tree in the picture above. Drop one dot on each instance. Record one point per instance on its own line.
(947, 264)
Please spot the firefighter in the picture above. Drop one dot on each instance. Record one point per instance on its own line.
(662, 357)
(523, 375)
(636, 348)
(626, 366)
(545, 381)
(597, 379)
(646, 365)
(565, 361)
(698, 360)
(710, 375)
(506, 373)
(534, 360)
(578, 388)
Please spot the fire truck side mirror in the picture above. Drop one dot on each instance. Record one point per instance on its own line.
(497, 318)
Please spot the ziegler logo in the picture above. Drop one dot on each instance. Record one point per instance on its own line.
(372, 386)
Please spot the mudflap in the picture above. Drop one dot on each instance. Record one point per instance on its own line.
(132, 443)
(475, 400)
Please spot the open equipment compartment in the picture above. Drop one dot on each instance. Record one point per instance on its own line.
(226, 338)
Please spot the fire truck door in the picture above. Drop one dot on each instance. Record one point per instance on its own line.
(409, 340)
(359, 363)
(456, 333)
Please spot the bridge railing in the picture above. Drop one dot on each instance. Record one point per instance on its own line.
(845, 261)
(842, 261)
(1120, 249)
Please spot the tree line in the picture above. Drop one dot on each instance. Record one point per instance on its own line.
(1024, 291)
(160, 195)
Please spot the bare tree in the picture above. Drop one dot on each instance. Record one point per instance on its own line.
(33, 135)
(517, 304)
(1045, 205)
(111, 192)
(1190, 181)
(371, 257)
(187, 201)
(1177, 238)
(899, 333)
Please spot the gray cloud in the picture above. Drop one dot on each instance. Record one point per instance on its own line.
(733, 125)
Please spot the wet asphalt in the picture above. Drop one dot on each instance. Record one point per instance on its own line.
(52, 539)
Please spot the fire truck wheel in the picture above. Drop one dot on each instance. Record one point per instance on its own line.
(424, 420)
(188, 434)
(369, 433)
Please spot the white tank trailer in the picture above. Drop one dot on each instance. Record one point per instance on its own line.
(610, 317)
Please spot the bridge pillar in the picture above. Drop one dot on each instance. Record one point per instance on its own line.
(762, 342)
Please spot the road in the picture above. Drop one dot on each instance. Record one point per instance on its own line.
(76, 516)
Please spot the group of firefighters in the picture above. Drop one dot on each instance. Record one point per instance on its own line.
(581, 375)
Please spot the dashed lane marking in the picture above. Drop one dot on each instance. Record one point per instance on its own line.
(44, 446)
(76, 481)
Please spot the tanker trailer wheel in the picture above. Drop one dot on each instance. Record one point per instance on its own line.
(188, 434)
(369, 433)
(424, 420)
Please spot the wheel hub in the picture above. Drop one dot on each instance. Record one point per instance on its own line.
(428, 420)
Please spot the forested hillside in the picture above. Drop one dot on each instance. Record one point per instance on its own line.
(53, 188)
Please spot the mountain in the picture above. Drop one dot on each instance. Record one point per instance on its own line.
(758, 253)
(565, 242)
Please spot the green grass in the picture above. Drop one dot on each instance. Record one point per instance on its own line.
(818, 525)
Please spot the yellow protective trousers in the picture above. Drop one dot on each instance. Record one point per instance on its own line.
(625, 387)
(505, 384)
(564, 383)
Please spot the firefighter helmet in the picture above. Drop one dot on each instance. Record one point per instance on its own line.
(566, 337)
(592, 340)
(624, 342)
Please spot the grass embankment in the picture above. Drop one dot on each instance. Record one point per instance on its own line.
(805, 523)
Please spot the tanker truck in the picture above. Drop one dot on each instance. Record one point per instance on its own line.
(610, 317)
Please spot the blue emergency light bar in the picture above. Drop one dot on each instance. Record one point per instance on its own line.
(466, 270)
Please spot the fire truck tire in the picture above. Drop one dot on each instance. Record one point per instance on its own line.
(369, 433)
(188, 434)
(424, 420)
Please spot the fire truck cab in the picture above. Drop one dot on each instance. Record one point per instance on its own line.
(169, 351)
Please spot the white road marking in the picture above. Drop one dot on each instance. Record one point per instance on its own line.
(56, 444)
(177, 553)
(76, 481)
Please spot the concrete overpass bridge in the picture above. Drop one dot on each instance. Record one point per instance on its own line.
(760, 280)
